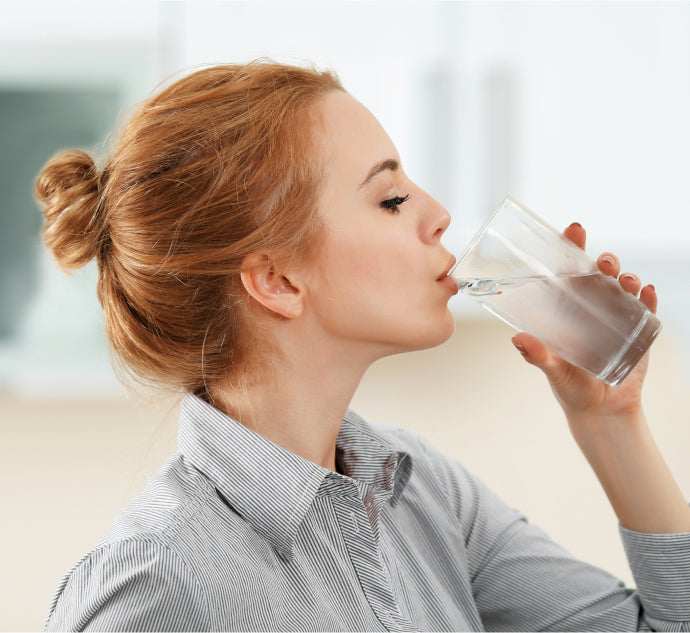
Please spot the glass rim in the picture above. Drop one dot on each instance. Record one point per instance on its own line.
(480, 232)
(487, 223)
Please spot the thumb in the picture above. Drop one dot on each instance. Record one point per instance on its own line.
(535, 353)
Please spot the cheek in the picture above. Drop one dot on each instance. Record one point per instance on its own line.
(356, 279)
(353, 257)
(375, 268)
(369, 263)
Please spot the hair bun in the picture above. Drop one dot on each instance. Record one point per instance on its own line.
(68, 189)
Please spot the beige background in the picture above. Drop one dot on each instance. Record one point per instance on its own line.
(70, 466)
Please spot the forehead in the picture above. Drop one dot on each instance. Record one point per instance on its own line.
(352, 139)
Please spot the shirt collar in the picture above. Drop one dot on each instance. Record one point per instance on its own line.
(371, 459)
(270, 487)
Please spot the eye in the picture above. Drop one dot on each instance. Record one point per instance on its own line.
(393, 204)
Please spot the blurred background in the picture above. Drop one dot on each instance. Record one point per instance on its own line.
(581, 110)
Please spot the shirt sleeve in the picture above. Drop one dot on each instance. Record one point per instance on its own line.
(522, 580)
(660, 564)
(129, 586)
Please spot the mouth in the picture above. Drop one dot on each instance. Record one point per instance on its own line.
(447, 269)
(447, 281)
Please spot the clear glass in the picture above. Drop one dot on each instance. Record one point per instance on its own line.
(526, 273)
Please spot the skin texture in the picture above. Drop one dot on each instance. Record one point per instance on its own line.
(374, 284)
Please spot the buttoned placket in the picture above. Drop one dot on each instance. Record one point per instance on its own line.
(365, 556)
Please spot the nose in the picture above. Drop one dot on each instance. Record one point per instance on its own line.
(438, 220)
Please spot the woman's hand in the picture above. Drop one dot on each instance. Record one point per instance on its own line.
(579, 393)
(610, 428)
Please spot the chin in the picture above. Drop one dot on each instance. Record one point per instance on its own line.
(433, 335)
(443, 333)
(412, 337)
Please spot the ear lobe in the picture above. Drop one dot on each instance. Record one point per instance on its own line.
(272, 289)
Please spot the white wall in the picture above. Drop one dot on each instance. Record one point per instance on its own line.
(579, 109)
(591, 98)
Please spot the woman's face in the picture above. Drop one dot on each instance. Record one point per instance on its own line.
(379, 279)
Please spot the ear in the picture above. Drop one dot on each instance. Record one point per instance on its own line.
(276, 292)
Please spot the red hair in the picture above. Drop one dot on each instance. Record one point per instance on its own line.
(216, 166)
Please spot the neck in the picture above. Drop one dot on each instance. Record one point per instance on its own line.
(300, 401)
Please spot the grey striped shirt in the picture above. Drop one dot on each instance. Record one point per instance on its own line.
(236, 533)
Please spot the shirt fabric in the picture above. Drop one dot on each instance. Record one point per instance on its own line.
(236, 533)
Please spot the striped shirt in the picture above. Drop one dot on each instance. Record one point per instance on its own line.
(236, 533)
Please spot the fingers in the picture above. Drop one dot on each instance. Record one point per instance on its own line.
(558, 372)
(535, 352)
(630, 283)
(649, 298)
(576, 234)
(609, 264)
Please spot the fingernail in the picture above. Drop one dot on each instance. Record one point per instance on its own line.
(520, 349)
(608, 259)
(576, 225)
(628, 276)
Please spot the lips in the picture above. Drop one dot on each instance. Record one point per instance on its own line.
(451, 263)
(447, 281)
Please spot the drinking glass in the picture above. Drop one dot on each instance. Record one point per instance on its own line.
(528, 274)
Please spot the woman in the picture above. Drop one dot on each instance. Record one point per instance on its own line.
(259, 246)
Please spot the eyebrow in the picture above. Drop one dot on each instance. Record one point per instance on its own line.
(389, 163)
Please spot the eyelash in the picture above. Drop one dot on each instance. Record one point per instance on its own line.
(393, 204)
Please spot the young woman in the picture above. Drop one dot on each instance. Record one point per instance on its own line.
(259, 246)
